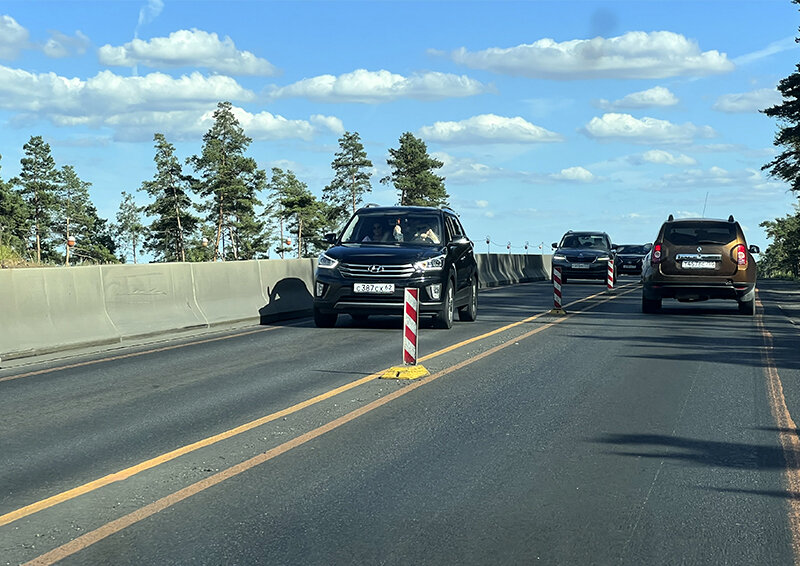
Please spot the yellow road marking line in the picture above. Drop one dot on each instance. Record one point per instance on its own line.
(787, 434)
(153, 462)
(115, 526)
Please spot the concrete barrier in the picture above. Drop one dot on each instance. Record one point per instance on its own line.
(229, 291)
(148, 299)
(288, 286)
(49, 309)
(45, 310)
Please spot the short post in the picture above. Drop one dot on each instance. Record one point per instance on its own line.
(410, 326)
(610, 275)
(410, 368)
(557, 308)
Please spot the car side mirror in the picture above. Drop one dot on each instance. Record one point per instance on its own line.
(554, 245)
(459, 241)
(755, 249)
(330, 237)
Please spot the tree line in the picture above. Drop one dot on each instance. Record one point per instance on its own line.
(215, 206)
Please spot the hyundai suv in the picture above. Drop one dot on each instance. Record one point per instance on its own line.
(584, 255)
(698, 260)
(383, 250)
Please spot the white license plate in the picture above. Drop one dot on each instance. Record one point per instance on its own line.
(378, 288)
(580, 266)
(698, 264)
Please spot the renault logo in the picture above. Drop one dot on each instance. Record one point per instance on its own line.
(375, 268)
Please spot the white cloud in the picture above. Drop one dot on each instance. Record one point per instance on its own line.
(13, 37)
(187, 48)
(574, 174)
(654, 97)
(624, 127)
(135, 107)
(460, 170)
(748, 102)
(482, 203)
(60, 45)
(371, 87)
(634, 55)
(488, 128)
(743, 179)
(661, 157)
(149, 12)
(785, 44)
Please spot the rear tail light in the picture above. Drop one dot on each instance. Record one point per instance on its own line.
(656, 257)
(739, 253)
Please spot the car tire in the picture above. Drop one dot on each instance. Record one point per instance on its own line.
(444, 318)
(651, 305)
(324, 320)
(469, 312)
(748, 307)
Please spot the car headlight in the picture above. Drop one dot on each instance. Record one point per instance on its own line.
(559, 257)
(603, 258)
(430, 264)
(326, 262)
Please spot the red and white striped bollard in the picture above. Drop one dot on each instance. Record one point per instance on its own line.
(557, 308)
(610, 280)
(410, 326)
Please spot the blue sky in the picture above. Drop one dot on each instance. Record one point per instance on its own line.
(549, 116)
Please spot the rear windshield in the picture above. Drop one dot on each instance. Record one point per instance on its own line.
(691, 233)
(638, 250)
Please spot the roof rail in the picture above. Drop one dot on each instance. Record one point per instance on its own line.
(371, 205)
(442, 207)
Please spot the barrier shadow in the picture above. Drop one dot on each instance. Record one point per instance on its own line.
(288, 298)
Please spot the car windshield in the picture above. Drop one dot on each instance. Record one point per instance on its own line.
(632, 250)
(692, 233)
(590, 241)
(393, 228)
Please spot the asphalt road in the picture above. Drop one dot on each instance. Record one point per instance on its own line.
(602, 437)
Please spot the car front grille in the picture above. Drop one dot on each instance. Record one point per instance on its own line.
(578, 259)
(376, 271)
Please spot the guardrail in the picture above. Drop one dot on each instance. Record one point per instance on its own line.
(44, 310)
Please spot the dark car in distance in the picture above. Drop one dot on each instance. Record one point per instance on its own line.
(584, 255)
(383, 250)
(630, 256)
(698, 259)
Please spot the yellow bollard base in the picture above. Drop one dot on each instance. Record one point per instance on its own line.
(558, 312)
(405, 372)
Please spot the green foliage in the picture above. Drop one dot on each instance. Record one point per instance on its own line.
(231, 181)
(345, 192)
(297, 213)
(782, 257)
(128, 230)
(14, 218)
(38, 182)
(172, 222)
(413, 174)
(76, 216)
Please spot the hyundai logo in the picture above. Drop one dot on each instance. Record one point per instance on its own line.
(375, 268)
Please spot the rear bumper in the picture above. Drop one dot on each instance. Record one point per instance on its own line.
(697, 290)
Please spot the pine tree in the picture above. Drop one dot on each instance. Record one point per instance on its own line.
(38, 182)
(14, 224)
(350, 181)
(412, 174)
(230, 182)
(128, 229)
(172, 223)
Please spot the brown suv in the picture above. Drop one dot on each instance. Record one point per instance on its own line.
(697, 260)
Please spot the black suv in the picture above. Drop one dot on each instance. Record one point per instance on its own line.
(697, 259)
(383, 250)
(630, 257)
(584, 255)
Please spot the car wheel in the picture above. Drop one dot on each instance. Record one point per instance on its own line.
(469, 312)
(324, 320)
(444, 319)
(651, 305)
(748, 307)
